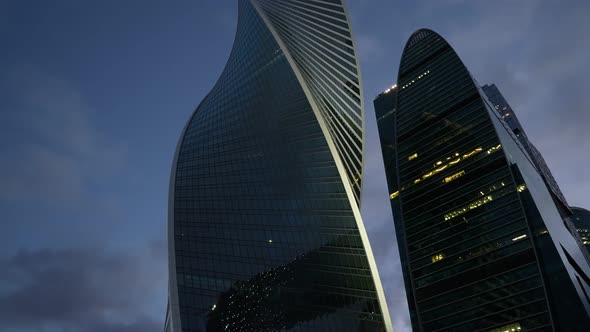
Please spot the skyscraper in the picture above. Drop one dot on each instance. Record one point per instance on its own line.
(482, 242)
(264, 228)
(581, 220)
(504, 109)
(507, 113)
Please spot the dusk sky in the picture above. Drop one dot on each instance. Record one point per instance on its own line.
(94, 95)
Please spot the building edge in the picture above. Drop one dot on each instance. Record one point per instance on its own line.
(173, 310)
(339, 164)
(361, 95)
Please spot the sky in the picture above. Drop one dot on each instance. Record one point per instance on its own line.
(94, 95)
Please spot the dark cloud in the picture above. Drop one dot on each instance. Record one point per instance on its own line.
(77, 290)
(142, 324)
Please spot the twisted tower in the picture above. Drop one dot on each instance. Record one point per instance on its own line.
(264, 228)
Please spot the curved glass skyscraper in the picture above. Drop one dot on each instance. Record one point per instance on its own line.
(483, 245)
(264, 227)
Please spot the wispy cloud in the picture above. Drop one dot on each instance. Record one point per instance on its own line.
(51, 150)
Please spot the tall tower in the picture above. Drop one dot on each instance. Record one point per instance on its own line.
(503, 108)
(264, 228)
(483, 245)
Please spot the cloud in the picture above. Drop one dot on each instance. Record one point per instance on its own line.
(52, 150)
(83, 290)
(537, 55)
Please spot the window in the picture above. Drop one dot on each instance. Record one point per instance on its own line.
(438, 257)
(507, 328)
(454, 177)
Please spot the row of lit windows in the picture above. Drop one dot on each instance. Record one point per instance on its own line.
(508, 328)
(415, 105)
(393, 87)
(471, 206)
(441, 166)
(417, 78)
(440, 256)
(438, 134)
(454, 177)
(475, 204)
(447, 236)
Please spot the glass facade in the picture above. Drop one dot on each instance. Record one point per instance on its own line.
(482, 242)
(317, 37)
(581, 220)
(505, 110)
(264, 226)
(507, 114)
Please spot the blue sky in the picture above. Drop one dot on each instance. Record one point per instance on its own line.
(93, 96)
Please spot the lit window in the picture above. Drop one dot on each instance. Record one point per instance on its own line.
(412, 157)
(394, 195)
(449, 163)
(417, 78)
(454, 177)
(438, 257)
(440, 169)
(471, 206)
(453, 162)
(390, 89)
(520, 237)
(521, 188)
(469, 154)
(508, 328)
(494, 148)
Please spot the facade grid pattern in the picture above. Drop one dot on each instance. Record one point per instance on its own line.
(481, 241)
(264, 233)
